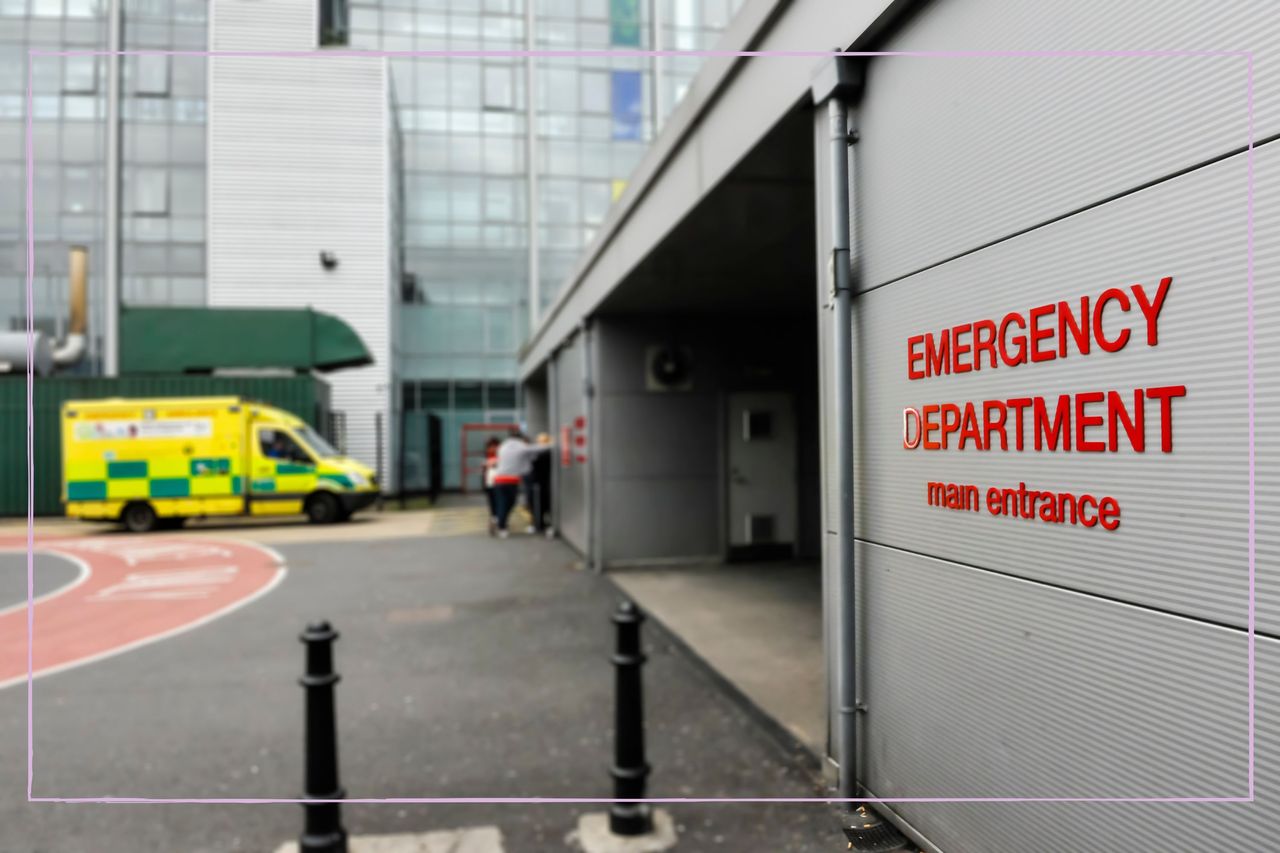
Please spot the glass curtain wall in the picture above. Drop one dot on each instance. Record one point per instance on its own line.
(468, 237)
(163, 152)
(468, 230)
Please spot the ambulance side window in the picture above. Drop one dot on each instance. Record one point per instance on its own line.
(278, 444)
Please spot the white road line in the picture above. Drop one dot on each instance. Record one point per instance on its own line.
(281, 571)
(85, 571)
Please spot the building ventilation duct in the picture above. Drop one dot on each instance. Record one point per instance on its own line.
(71, 349)
(45, 356)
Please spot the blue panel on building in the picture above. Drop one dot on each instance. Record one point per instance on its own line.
(628, 105)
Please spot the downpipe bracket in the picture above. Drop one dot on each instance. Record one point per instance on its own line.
(865, 832)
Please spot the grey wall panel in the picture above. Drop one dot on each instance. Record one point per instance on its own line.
(830, 486)
(658, 443)
(1182, 542)
(571, 496)
(659, 460)
(980, 685)
(536, 409)
(652, 436)
(957, 152)
(666, 518)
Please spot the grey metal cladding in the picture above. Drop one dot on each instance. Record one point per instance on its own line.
(1182, 541)
(572, 484)
(959, 151)
(980, 685)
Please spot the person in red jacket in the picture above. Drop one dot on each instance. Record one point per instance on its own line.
(490, 462)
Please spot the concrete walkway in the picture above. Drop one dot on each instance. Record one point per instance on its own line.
(758, 624)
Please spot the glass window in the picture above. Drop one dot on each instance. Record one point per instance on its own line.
(561, 88)
(188, 76)
(595, 201)
(433, 395)
(82, 8)
(316, 441)
(279, 445)
(502, 155)
(501, 396)
(468, 395)
(464, 85)
(432, 83)
(499, 87)
(151, 75)
(559, 202)
(79, 190)
(466, 199)
(595, 92)
(188, 192)
(150, 191)
(501, 337)
(426, 197)
(364, 18)
(80, 107)
(80, 74)
(500, 200)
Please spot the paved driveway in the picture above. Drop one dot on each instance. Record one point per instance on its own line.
(471, 667)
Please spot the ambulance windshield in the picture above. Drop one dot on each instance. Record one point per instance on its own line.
(316, 442)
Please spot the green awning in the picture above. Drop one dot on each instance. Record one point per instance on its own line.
(200, 340)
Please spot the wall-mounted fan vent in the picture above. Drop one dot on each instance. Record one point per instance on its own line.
(668, 368)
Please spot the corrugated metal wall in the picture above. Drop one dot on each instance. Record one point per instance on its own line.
(298, 164)
(1015, 658)
(305, 396)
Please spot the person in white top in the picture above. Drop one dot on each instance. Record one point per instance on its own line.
(514, 462)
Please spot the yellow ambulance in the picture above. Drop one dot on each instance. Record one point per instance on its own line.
(157, 462)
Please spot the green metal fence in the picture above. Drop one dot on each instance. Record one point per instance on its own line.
(305, 396)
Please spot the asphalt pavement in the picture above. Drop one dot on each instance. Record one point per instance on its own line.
(471, 667)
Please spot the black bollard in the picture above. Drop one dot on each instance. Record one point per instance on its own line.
(630, 772)
(322, 827)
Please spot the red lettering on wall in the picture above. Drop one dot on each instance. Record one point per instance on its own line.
(1084, 421)
(1151, 308)
(1165, 395)
(1038, 334)
(914, 372)
(1116, 344)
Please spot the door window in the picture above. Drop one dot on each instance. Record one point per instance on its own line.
(279, 445)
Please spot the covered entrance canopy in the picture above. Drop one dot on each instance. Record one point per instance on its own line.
(201, 340)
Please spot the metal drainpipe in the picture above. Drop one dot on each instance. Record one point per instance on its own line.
(531, 163)
(838, 83)
(111, 239)
(588, 410)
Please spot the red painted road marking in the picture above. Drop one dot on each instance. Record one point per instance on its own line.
(137, 591)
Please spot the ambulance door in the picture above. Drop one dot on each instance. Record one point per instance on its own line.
(282, 472)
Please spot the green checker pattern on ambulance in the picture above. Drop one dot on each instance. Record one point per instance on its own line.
(157, 487)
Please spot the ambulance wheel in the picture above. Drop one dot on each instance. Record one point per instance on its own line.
(323, 508)
(138, 517)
